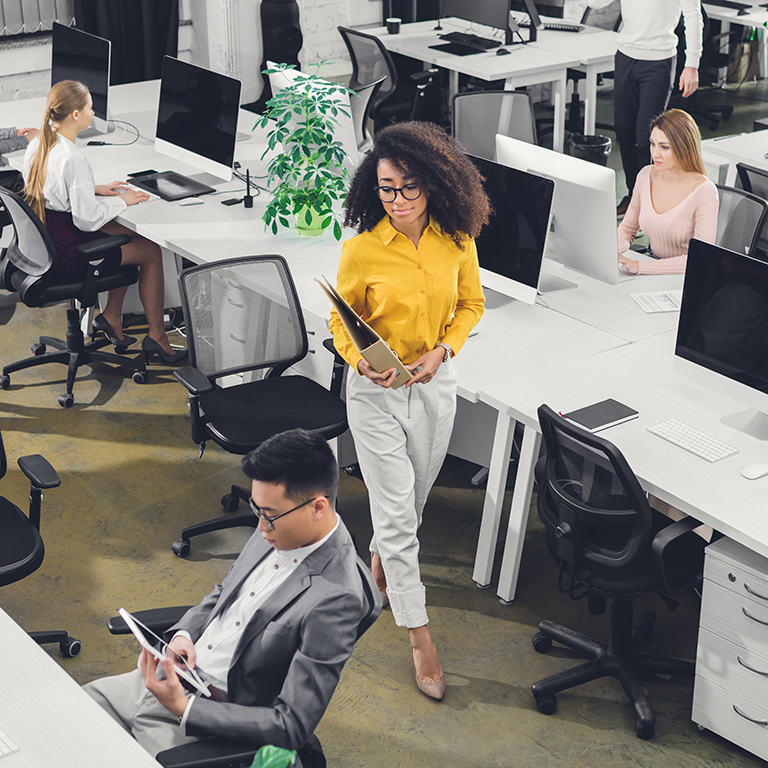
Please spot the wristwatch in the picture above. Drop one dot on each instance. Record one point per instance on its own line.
(448, 351)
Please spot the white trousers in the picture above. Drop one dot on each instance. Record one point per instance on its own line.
(401, 438)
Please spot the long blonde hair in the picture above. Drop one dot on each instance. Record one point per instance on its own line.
(684, 138)
(64, 98)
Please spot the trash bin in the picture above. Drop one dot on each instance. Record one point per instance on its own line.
(593, 148)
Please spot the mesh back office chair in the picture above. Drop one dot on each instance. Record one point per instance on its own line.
(478, 116)
(608, 544)
(243, 316)
(220, 753)
(27, 268)
(741, 218)
(21, 547)
(361, 112)
(755, 181)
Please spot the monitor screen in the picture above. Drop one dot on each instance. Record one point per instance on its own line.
(197, 116)
(511, 247)
(492, 13)
(552, 8)
(83, 57)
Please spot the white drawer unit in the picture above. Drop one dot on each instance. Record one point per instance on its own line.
(730, 695)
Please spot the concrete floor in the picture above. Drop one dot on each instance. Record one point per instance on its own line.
(131, 479)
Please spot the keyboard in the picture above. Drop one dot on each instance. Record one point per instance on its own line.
(471, 41)
(702, 445)
(7, 745)
(557, 26)
(152, 196)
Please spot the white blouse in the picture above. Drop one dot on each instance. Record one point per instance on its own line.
(69, 186)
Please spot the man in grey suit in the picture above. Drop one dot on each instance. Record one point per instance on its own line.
(275, 634)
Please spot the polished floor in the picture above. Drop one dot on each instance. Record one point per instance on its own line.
(131, 479)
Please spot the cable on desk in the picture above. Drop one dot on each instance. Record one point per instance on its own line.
(118, 143)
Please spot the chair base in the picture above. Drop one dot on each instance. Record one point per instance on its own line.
(69, 646)
(618, 658)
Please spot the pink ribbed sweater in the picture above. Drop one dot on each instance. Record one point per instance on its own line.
(670, 232)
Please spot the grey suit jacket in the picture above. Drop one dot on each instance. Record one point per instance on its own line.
(289, 658)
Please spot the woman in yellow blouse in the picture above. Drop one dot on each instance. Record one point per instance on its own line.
(412, 274)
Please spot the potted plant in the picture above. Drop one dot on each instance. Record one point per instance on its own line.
(308, 177)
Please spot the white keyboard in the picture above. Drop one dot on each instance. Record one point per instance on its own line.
(152, 196)
(7, 745)
(690, 439)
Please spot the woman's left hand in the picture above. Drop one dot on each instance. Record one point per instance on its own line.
(630, 265)
(111, 189)
(429, 363)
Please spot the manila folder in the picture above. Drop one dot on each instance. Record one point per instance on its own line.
(367, 342)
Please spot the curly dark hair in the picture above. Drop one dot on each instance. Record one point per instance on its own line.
(457, 200)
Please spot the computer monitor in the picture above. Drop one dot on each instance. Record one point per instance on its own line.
(583, 230)
(197, 117)
(552, 8)
(491, 13)
(511, 247)
(722, 334)
(80, 56)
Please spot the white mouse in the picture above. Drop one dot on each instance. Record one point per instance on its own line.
(754, 471)
(191, 201)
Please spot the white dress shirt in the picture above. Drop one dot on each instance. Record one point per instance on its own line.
(649, 27)
(69, 186)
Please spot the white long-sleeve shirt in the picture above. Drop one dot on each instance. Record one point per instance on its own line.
(648, 31)
(69, 186)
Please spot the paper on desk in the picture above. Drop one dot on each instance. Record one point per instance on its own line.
(659, 301)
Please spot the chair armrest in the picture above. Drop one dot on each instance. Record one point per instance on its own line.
(95, 247)
(39, 471)
(157, 619)
(337, 376)
(665, 551)
(207, 753)
(196, 382)
(423, 77)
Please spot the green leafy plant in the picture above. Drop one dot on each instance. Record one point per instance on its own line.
(308, 176)
(273, 757)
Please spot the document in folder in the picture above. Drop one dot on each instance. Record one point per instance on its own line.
(367, 342)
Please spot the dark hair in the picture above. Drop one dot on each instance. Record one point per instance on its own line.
(300, 460)
(436, 160)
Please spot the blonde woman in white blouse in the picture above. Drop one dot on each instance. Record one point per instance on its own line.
(60, 189)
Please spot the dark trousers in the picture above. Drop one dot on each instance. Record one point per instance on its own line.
(640, 93)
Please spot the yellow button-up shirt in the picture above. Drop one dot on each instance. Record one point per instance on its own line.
(414, 298)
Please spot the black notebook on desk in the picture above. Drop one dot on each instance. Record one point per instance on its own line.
(602, 415)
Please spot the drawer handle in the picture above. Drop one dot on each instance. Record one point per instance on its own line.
(233, 303)
(747, 717)
(752, 592)
(759, 621)
(242, 341)
(751, 669)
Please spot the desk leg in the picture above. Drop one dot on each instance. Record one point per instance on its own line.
(518, 516)
(590, 100)
(453, 84)
(559, 87)
(494, 500)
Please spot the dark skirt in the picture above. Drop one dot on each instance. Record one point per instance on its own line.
(67, 237)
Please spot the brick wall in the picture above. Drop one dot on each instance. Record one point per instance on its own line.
(319, 19)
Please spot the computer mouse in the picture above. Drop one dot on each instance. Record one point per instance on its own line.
(755, 471)
(502, 51)
(191, 201)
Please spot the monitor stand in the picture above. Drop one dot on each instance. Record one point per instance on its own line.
(98, 128)
(496, 299)
(752, 422)
(551, 283)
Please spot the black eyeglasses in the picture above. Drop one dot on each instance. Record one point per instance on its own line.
(270, 521)
(389, 194)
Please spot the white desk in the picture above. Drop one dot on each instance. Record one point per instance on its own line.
(749, 148)
(754, 19)
(53, 721)
(525, 65)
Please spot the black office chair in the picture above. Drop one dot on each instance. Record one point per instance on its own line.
(608, 544)
(27, 268)
(21, 547)
(755, 181)
(360, 107)
(221, 753)
(741, 219)
(243, 317)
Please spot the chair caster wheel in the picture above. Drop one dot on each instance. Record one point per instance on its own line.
(38, 349)
(230, 502)
(541, 643)
(702, 728)
(139, 377)
(181, 547)
(5, 382)
(644, 730)
(67, 401)
(547, 704)
(71, 648)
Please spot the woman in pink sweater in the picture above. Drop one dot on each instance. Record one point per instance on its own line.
(673, 200)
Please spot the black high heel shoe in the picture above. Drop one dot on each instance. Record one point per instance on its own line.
(151, 347)
(100, 323)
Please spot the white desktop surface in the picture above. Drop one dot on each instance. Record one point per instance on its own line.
(54, 722)
(749, 148)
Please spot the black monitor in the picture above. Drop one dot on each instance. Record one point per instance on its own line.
(197, 116)
(512, 246)
(492, 13)
(722, 335)
(80, 56)
(553, 8)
